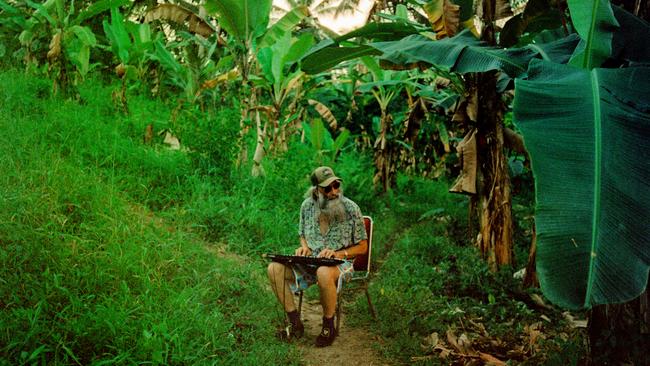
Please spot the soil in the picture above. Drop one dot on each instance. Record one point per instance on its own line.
(353, 346)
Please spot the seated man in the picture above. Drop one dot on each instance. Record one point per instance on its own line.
(331, 226)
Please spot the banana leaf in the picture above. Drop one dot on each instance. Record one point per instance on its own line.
(118, 35)
(242, 19)
(588, 135)
(328, 57)
(464, 53)
(595, 22)
(283, 26)
(98, 8)
(330, 52)
(382, 31)
(632, 41)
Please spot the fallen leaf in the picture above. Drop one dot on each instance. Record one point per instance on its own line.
(453, 340)
(491, 360)
(573, 322)
(539, 301)
(431, 341)
(465, 344)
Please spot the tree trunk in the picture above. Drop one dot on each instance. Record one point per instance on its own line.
(495, 214)
(619, 334)
(384, 160)
(257, 168)
(530, 280)
(495, 206)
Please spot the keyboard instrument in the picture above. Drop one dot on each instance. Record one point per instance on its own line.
(297, 259)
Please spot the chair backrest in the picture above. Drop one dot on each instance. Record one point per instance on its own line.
(362, 262)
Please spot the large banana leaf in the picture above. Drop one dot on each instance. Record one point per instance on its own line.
(588, 134)
(464, 53)
(595, 22)
(328, 57)
(329, 52)
(632, 41)
(283, 26)
(242, 19)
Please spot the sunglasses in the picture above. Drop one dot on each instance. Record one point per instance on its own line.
(334, 185)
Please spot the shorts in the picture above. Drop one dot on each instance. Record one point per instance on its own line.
(305, 275)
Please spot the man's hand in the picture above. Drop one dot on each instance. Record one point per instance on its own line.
(327, 253)
(303, 251)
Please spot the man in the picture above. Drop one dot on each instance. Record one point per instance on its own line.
(331, 226)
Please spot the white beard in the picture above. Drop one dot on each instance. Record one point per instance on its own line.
(331, 211)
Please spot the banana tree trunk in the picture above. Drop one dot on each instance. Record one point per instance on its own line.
(495, 211)
(257, 168)
(619, 334)
(495, 206)
(384, 164)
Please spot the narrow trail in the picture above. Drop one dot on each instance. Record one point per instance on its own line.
(353, 346)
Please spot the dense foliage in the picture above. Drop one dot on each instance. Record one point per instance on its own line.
(116, 251)
(152, 152)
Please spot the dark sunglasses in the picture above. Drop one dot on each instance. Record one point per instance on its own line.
(334, 185)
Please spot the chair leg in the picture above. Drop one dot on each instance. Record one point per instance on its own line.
(372, 308)
(339, 299)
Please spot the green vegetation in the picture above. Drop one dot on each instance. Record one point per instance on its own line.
(149, 158)
(118, 252)
(99, 263)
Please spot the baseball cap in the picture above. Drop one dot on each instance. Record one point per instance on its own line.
(323, 176)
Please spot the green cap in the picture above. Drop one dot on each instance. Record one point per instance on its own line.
(323, 176)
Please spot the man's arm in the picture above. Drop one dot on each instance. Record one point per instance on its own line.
(359, 249)
(346, 253)
(304, 248)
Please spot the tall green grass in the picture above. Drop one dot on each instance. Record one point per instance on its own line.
(90, 271)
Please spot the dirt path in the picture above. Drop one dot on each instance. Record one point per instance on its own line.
(353, 346)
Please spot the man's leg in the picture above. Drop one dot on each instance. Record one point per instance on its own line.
(327, 280)
(281, 276)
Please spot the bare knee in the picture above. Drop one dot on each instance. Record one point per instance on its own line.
(276, 270)
(327, 275)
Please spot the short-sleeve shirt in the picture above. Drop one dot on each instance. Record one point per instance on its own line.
(339, 235)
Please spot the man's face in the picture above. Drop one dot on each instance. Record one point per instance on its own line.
(331, 192)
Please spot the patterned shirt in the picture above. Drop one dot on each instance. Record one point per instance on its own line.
(339, 235)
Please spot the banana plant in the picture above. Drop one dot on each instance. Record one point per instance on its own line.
(589, 156)
(69, 40)
(592, 248)
(326, 148)
(254, 44)
(133, 46)
(282, 85)
(386, 85)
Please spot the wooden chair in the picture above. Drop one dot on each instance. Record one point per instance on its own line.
(360, 277)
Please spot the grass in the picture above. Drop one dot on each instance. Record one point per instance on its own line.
(91, 274)
(113, 251)
(431, 284)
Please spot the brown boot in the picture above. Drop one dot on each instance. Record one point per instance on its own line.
(327, 334)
